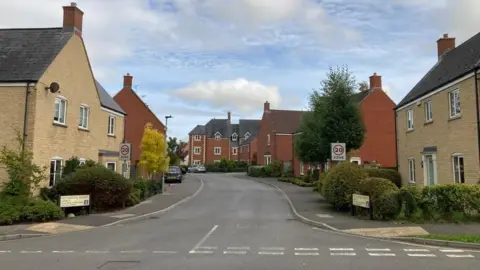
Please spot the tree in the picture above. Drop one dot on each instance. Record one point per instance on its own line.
(333, 117)
(363, 86)
(181, 151)
(152, 157)
(176, 150)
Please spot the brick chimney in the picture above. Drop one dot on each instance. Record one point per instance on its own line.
(229, 114)
(266, 106)
(444, 45)
(73, 19)
(127, 81)
(375, 81)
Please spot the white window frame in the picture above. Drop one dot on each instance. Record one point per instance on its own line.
(84, 113)
(268, 139)
(410, 125)
(59, 101)
(456, 167)
(218, 136)
(302, 169)
(219, 151)
(234, 151)
(268, 159)
(52, 182)
(247, 135)
(197, 150)
(425, 168)
(114, 165)
(428, 111)
(111, 125)
(452, 110)
(411, 171)
(234, 137)
(82, 161)
(197, 162)
(197, 138)
(356, 159)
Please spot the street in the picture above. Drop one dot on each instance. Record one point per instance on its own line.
(232, 224)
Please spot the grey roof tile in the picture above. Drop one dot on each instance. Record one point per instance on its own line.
(218, 125)
(25, 54)
(248, 125)
(453, 65)
(106, 100)
(198, 130)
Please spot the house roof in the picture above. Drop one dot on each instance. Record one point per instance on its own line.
(453, 65)
(25, 54)
(218, 125)
(106, 100)
(198, 130)
(285, 121)
(249, 140)
(359, 96)
(248, 125)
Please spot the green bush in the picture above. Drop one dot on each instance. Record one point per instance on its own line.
(295, 181)
(256, 171)
(39, 211)
(134, 197)
(341, 182)
(141, 185)
(107, 189)
(387, 205)
(377, 188)
(10, 210)
(318, 185)
(392, 175)
(410, 197)
(154, 187)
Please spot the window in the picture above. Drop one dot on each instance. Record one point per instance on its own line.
(111, 125)
(234, 137)
(82, 161)
(197, 138)
(196, 162)
(218, 136)
(458, 170)
(247, 135)
(55, 170)
(428, 111)
(268, 159)
(196, 150)
(217, 150)
(411, 170)
(268, 139)
(83, 117)
(234, 150)
(454, 100)
(111, 165)
(301, 168)
(409, 119)
(60, 112)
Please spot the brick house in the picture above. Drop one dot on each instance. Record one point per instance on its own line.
(48, 94)
(218, 139)
(247, 144)
(138, 115)
(438, 120)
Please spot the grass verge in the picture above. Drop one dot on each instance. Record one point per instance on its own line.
(466, 238)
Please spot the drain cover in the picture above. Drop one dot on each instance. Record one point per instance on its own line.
(120, 265)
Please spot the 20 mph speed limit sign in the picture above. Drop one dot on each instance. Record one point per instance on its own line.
(125, 151)
(338, 152)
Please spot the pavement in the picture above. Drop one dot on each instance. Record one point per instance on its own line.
(232, 223)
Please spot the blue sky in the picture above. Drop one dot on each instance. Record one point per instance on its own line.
(198, 59)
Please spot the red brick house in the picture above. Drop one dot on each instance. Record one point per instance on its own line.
(219, 139)
(138, 115)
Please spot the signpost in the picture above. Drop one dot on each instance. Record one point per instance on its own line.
(362, 201)
(338, 152)
(75, 201)
(125, 155)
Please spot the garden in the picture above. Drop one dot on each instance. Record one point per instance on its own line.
(225, 165)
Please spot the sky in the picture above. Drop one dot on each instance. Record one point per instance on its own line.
(199, 59)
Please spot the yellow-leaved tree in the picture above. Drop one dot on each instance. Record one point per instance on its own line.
(152, 157)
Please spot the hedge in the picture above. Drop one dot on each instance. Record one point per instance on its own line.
(390, 174)
(20, 209)
(295, 181)
(377, 189)
(272, 170)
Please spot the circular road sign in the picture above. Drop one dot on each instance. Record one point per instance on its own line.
(338, 150)
(125, 150)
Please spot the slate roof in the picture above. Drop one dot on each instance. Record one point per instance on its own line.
(106, 100)
(248, 125)
(453, 65)
(25, 54)
(218, 125)
(359, 96)
(285, 121)
(198, 130)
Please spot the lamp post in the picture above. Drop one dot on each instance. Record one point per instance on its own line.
(165, 153)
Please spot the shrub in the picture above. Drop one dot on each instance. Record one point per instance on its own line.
(39, 210)
(377, 188)
(141, 185)
(387, 205)
(256, 171)
(318, 185)
(390, 174)
(10, 210)
(295, 181)
(410, 197)
(134, 197)
(71, 165)
(341, 182)
(154, 187)
(107, 188)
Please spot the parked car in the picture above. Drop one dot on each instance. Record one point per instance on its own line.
(174, 175)
(192, 169)
(201, 169)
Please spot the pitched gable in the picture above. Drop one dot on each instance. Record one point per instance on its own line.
(285, 121)
(106, 100)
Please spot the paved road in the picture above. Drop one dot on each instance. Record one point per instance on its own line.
(232, 224)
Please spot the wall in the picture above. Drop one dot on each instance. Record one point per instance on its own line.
(192, 144)
(264, 129)
(211, 143)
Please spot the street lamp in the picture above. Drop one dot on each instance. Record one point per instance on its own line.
(165, 153)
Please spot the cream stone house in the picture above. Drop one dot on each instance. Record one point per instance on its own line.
(49, 94)
(437, 122)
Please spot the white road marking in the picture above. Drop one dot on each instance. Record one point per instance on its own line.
(238, 248)
(123, 216)
(343, 254)
(131, 251)
(460, 256)
(164, 252)
(307, 253)
(421, 255)
(30, 252)
(5, 251)
(377, 249)
(272, 248)
(269, 253)
(206, 248)
(205, 237)
(237, 252)
(201, 252)
(305, 249)
(382, 254)
(63, 251)
(416, 250)
(451, 250)
(97, 251)
(341, 249)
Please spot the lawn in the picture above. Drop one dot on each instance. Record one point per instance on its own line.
(467, 238)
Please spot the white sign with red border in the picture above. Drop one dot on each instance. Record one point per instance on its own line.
(125, 151)
(338, 152)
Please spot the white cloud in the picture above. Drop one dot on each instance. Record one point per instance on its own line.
(240, 95)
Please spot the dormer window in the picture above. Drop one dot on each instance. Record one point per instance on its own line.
(218, 136)
(247, 135)
(234, 137)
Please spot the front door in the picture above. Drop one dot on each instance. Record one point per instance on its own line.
(430, 169)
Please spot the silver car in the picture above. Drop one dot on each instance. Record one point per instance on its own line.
(201, 169)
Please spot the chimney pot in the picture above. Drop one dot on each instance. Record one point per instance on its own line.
(444, 45)
(127, 81)
(229, 116)
(375, 81)
(73, 19)
(266, 106)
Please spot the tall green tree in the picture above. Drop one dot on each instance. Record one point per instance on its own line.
(334, 117)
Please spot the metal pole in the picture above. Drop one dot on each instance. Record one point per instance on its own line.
(165, 152)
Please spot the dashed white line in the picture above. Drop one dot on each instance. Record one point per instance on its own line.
(307, 253)
(200, 243)
(306, 249)
(377, 249)
(460, 256)
(421, 255)
(63, 251)
(30, 251)
(451, 250)
(238, 248)
(131, 251)
(269, 253)
(206, 248)
(272, 248)
(96, 251)
(200, 252)
(343, 254)
(236, 252)
(382, 254)
(341, 249)
(5, 251)
(416, 250)
(164, 252)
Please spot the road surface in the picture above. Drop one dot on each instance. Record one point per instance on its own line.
(232, 224)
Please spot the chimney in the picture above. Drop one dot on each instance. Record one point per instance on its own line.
(72, 19)
(127, 81)
(375, 81)
(444, 45)
(229, 116)
(266, 106)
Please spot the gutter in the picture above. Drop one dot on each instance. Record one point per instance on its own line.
(478, 112)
